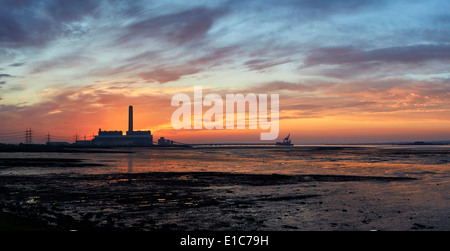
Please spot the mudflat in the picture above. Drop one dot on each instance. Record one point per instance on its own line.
(217, 200)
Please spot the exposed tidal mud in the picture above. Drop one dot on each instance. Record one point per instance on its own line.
(298, 188)
(176, 201)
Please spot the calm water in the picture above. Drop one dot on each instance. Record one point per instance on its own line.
(340, 160)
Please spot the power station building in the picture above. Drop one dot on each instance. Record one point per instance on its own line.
(116, 138)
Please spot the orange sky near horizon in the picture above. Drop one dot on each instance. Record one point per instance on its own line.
(154, 117)
(327, 116)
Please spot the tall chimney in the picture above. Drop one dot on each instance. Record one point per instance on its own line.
(130, 118)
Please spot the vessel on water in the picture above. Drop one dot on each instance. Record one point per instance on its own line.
(285, 142)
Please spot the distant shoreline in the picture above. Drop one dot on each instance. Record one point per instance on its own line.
(125, 149)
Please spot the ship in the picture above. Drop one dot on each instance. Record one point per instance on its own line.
(285, 142)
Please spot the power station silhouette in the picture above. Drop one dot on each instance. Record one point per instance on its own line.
(140, 138)
(131, 138)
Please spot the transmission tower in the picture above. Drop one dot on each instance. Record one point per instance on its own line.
(28, 137)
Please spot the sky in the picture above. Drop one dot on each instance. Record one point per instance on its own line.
(350, 71)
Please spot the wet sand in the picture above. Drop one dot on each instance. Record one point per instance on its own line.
(205, 200)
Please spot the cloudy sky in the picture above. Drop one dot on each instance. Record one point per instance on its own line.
(346, 71)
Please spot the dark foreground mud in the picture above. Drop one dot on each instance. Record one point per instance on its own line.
(44, 162)
(175, 201)
(231, 189)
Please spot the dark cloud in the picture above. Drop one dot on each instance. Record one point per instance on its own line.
(351, 63)
(21, 26)
(261, 64)
(16, 64)
(34, 23)
(330, 5)
(293, 88)
(61, 62)
(179, 27)
(68, 11)
(172, 70)
(402, 54)
(305, 10)
(167, 75)
(370, 96)
(214, 56)
(326, 6)
(144, 56)
(4, 75)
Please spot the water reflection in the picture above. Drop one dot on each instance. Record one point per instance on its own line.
(291, 160)
(130, 162)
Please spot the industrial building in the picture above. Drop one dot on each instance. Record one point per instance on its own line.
(116, 138)
(165, 142)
